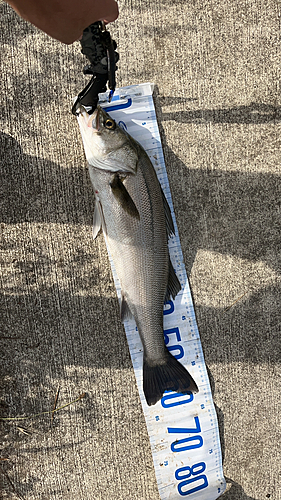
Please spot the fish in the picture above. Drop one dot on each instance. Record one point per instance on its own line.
(132, 211)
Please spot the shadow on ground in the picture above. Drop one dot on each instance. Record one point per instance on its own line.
(254, 113)
(240, 212)
(235, 492)
(36, 190)
(37, 320)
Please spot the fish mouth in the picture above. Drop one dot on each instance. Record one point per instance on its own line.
(90, 121)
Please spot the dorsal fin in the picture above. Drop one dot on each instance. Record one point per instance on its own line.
(174, 285)
(168, 216)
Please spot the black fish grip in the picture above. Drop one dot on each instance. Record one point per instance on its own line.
(100, 49)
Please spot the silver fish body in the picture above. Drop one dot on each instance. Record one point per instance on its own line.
(134, 215)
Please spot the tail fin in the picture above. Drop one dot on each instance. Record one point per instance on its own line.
(170, 376)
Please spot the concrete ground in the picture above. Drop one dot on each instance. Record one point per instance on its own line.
(217, 69)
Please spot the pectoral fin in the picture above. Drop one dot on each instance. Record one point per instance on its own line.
(98, 221)
(122, 196)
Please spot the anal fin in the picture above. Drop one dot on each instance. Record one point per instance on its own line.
(125, 311)
(174, 285)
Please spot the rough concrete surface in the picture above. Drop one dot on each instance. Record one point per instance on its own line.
(217, 70)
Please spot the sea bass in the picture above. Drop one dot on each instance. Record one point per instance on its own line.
(134, 214)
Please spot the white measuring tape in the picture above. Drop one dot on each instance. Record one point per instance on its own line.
(182, 428)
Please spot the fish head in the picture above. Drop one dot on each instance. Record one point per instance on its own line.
(107, 146)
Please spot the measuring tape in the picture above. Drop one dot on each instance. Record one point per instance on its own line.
(182, 428)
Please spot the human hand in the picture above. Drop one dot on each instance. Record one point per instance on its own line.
(65, 20)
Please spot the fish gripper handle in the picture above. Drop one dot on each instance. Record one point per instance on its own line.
(100, 50)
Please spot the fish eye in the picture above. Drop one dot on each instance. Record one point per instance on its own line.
(110, 124)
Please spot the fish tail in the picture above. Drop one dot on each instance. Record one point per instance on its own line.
(169, 376)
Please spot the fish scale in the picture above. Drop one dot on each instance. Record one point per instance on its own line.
(145, 250)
